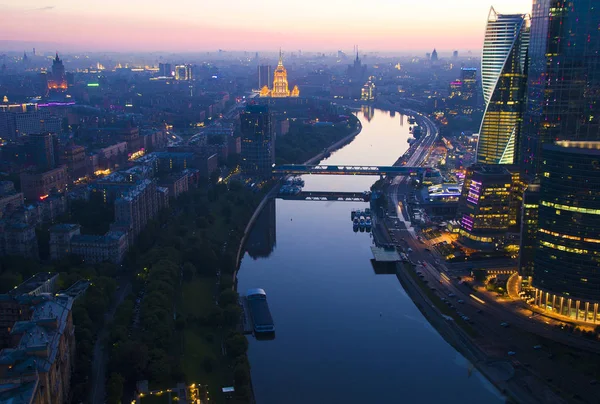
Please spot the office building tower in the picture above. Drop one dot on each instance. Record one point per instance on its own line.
(565, 272)
(468, 78)
(455, 55)
(485, 205)
(41, 148)
(258, 140)
(529, 226)
(183, 72)
(164, 70)
(264, 76)
(563, 93)
(503, 73)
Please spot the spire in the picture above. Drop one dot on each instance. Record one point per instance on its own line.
(280, 58)
(57, 58)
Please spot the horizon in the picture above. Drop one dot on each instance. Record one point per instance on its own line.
(124, 28)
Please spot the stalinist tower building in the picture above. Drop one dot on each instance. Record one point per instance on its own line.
(280, 83)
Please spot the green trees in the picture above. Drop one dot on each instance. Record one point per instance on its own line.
(114, 388)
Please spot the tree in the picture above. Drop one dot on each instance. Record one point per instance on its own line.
(236, 345)
(231, 315)
(188, 271)
(114, 388)
(228, 297)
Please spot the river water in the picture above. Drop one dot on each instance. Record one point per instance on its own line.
(345, 334)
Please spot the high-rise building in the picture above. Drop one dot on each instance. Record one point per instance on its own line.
(58, 79)
(565, 272)
(264, 76)
(41, 149)
(164, 70)
(280, 83)
(258, 140)
(529, 226)
(455, 55)
(468, 78)
(485, 205)
(434, 56)
(503, 73)
(183, 73)
(563, 93)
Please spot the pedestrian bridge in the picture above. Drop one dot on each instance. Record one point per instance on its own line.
(299, 169)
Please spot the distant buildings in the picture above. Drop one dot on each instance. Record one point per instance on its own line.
(183, 73)
(58, 78)
(265, 78)
(42, 148)
(258, 140)
(280, 83)
(503, 75)
(434, 56)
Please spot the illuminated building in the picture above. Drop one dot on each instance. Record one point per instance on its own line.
(280, 83)
(183, 72)
(563, 92)
(485, 205)
(503, 74)
(565, 272)
(529, 226)
(367, 91)
(36, 186)
(58, 79)
(258, 140)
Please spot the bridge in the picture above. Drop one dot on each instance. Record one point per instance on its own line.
(299, 169)
(328, 196)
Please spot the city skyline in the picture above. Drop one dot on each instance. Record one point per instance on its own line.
(385, 26)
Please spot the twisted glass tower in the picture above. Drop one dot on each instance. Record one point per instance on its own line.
(504, 77)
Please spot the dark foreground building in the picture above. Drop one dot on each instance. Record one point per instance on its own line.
(258, 141)
(566, 273)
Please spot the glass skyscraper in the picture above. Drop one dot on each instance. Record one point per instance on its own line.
(563, 90)
(566, 271)
(503, 74)
(258, 141)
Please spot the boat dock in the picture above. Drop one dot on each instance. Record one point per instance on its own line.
(385, 254)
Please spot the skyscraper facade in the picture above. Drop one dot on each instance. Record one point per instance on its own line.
(563, 90)
(565, 273)
(503, 73)
(258, 141)
(264, 76)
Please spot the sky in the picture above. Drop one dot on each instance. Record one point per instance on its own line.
(253, 25)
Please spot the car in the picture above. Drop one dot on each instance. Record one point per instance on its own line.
(511, 353)
(461, 301)
(428, 250)
(537, 347)
(504, 324)
(410, 250)
(451, 295)
(433, 289)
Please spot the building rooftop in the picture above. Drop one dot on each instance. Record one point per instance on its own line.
(580, 147)
(64, 228)
(33, 283)
(40, 337)
(18, 391)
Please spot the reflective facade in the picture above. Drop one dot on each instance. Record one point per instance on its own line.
(503, 74)
(563, 90)
(485, 205)
(566, 269)
(258, 141)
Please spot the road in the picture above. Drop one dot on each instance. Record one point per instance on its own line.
(100, 362)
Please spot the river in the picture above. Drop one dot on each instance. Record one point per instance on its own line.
(345, 334)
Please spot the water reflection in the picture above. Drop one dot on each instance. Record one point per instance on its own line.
(263, 236)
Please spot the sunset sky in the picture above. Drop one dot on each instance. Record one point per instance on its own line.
(198, 25)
